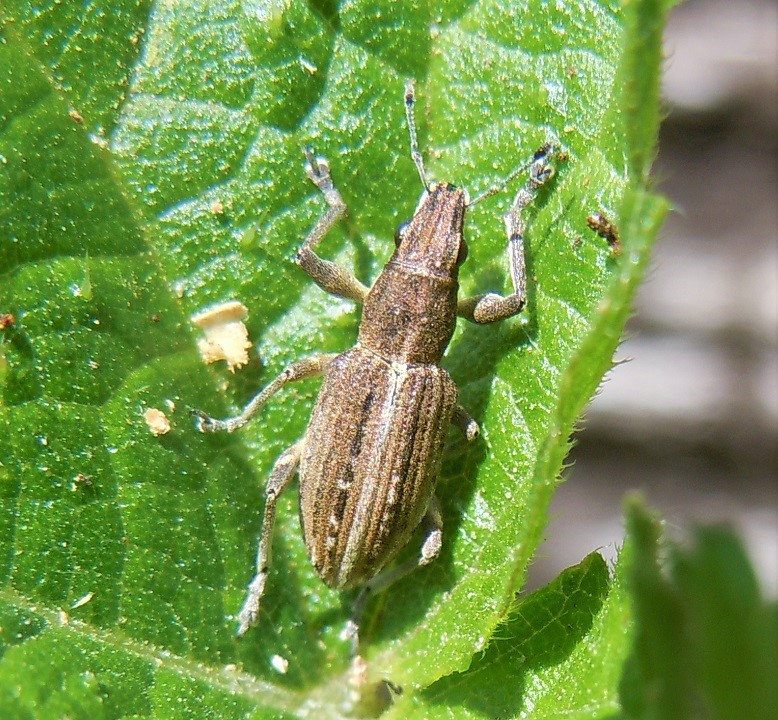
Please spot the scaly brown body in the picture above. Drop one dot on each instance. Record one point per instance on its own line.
(374, 444)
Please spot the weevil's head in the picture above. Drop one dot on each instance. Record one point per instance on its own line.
(432, 240)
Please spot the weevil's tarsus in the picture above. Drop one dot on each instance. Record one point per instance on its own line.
(329, 276)
(280, 476)
(462, 420)
(306, 368)
(491, 307)
(410, 102)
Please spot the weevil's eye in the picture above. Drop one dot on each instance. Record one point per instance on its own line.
(462, 254)
(399, 233)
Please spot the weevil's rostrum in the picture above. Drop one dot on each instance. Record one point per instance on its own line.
(370, 458)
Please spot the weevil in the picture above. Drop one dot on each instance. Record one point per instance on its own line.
(370, 458)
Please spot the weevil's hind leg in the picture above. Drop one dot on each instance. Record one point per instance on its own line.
(328, 275)
(280, 476)
(492, 307)
(305, 368)
(430, 549)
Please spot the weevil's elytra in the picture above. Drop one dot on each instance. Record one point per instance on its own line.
(370, 458)
(395, 433)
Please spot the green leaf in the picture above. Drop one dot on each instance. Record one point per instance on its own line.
(559, 655)
(151, 166)
(705, 641)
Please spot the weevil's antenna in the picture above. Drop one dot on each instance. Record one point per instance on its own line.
(541, 171)
(410, 101)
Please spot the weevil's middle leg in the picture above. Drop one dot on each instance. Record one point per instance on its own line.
(305, 368)
(280, 477)
(492, 307)
(328, 275)
(430, 549)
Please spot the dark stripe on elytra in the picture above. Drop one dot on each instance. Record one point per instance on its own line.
(356, 443)
(347, 478)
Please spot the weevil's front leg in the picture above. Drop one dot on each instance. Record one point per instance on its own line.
(280, 477)
(491, 307)
(306, 368)
(327, 275)
(430, 549)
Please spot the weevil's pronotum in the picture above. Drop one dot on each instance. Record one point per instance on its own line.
(371, 455)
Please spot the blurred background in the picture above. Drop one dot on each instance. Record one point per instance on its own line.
(691, 420)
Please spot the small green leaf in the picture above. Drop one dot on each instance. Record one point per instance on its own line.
(558, 656)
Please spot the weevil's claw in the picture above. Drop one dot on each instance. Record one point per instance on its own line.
(249, 613)
(544, 175)
(203, 422)
(541, 171)
(316, 168)
(395, 689)
(544, 151)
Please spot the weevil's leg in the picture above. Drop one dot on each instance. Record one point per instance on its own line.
(430, 549)
(306, 368)
(462, 419)
(491, 307)
(326, 274)
(280, 477)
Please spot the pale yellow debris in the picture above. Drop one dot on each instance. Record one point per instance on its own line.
(226, 337)
(157, 422)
